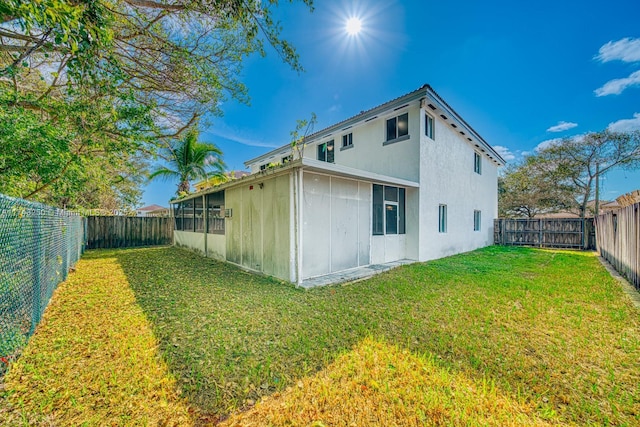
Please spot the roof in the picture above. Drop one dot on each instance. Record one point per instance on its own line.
(307, 164)
(423, 91)
(151, 208)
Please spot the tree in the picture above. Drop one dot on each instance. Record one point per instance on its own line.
(188, 160)
(578, 161)
(531, 188)
(298, 140)
(105, 79)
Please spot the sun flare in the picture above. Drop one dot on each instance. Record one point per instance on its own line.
(354, 25)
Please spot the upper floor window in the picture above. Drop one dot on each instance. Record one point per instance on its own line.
(398, 127)
(325, 152)
(263, 167)
(388, 210)
(477, 219)
(347, 140)
(428, 126)
(477, 163)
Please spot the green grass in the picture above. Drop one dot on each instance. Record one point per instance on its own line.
(548, 331)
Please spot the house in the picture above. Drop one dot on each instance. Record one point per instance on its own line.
(153, 210)
(406, 180)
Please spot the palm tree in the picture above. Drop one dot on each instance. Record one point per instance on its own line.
(188, 160)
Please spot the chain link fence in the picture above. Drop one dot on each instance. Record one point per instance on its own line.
(38, 246)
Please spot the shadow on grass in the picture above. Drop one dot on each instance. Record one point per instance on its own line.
(543, 326)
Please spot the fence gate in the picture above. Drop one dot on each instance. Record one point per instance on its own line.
(570, 233)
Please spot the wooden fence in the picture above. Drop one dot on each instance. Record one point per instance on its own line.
(618, 238)
(124, 231)
(570, 233)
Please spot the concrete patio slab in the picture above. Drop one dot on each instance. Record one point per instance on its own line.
(353, 274)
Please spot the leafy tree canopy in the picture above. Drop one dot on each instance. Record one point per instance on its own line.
(103, 84)
(562, 176)
(188, 159)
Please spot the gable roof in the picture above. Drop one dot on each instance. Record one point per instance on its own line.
(432, 100)
(151, 208)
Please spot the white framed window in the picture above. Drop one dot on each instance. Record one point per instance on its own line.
(325, 152)
(477, 163)
(477, 220)
(428, 125)
(388, 210)
(442, 218)
(397, 127)
(347, 140)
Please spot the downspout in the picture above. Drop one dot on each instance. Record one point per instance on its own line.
(298, 223)
(300, 219)
(294, 183)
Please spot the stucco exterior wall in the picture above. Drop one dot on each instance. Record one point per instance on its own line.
(336, 227)
(399, 159)
(258, 232)
(189, 240)
(447, 177)
(217, 246)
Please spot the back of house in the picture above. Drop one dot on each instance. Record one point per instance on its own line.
(406, 180)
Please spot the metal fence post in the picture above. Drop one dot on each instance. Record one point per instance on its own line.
(37, 280)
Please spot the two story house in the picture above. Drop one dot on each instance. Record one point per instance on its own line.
(406, 180)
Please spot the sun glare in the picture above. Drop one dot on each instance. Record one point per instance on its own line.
(354, 25)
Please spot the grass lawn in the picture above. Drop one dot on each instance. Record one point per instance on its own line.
(496, 336)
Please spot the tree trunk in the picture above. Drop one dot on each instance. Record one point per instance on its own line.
(183, 187)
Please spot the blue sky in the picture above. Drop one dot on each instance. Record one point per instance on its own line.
(521, 73)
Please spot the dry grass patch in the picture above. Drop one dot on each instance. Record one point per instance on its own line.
(93, 360)
(383, 385)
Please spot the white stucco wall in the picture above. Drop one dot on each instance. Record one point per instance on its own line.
(447, 177)
(399, 159)
(217, 246)
(189, 240)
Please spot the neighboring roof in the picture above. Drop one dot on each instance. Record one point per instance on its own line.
(422, 92)
(628, 199)
(308, 165)
(151, 208)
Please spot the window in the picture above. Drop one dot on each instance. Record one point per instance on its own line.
(398, 127)
(178, 213)
(477, 219)
(388, 210)
(442, 218)
(215, 213)
(477, 163)
(347, 140)
(428, 126)
(325, 152)
(263, 167)
(198, 215)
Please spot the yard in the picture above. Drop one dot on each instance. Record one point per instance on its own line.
(496, 336)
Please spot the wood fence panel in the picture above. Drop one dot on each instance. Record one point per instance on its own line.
(125, 232)
(576, 233)
(618, 241)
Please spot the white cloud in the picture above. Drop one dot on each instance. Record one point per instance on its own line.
(504, 152)
(626, 50)
(562, 126)
(234, 136)
(548, 143)
(617, 86)
(626, 125)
